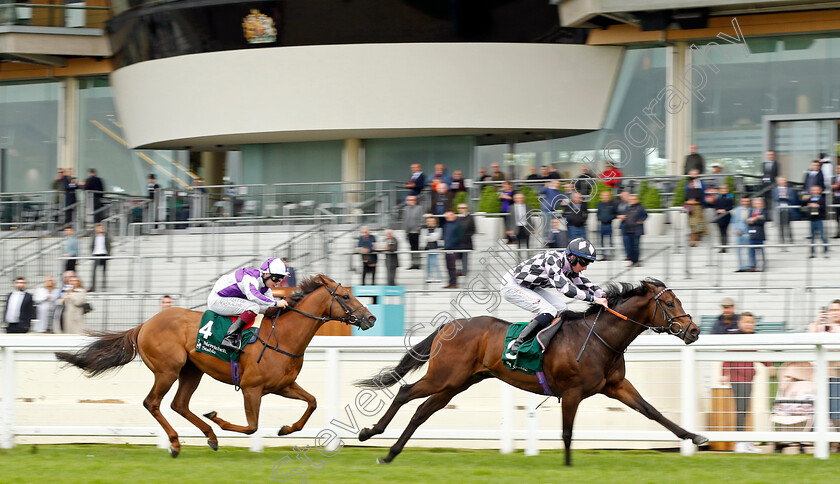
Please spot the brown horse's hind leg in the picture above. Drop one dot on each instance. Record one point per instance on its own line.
(424, 411)
(252, 397)
(296, 392)
(626, 393)
(163, 382)
(188, 381)
(419, 389)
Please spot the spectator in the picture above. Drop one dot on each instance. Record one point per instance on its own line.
(607, 212)
(755, 226)
(440, 176)
(58, 186)
(517, 222)
(557, 238)
(741, 229)
(412, 225)
(576, 213)
(100, 248)
(610, 176)
(816, 211)
(66, 288)
(457, 184)
(723, 206)
(695, 193)
(453, 234)
(152, 193)
(70, 248)
(771, 172)
(550, 197)
(552, 173)
(432, 235)
(506, 196)
(545, 173)
(19, 308)
(727, 322)
(497, 174)
(829, 322)
(482, 174)
(44, 299)
(417, 182)
(94, 187)
(786, 200)
(468, 223)
(532, 170)
(836, 199)
(441, 200)
(584, 183)
(291, 279)
(740, 375)
(365, 247)
(70, 188)
(621, 214)
(165, 302)
(827, 170)
(392, 258)
(634, 227)
(72, 302)
(694, 161)
(717, 179)
(813, 177)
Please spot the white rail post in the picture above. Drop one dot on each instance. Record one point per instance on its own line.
(7, 429)
(333, 360)
(506, 441)
(532, 447)
(821, 446)
(688, 396)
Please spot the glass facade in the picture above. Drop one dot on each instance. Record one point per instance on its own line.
(641, 78)
(390, 158)
(318, 161)
(29, 134)
(780, 76)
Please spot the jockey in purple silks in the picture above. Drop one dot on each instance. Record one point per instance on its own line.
(246, 293)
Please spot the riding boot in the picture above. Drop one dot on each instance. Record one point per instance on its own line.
(234, 336)
(538, 323)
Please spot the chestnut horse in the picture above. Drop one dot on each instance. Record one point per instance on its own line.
(166, 343)
(466, 351)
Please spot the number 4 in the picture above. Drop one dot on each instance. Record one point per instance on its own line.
(207, 330)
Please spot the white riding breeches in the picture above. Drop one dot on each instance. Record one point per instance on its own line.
(536, 300)
(231, 306)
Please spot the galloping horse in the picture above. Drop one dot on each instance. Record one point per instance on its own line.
(466, 351)
(166, 343)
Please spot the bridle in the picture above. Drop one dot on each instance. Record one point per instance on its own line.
(349, 316)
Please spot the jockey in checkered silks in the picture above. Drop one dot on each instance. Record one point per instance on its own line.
(526, 285)
(246, 293)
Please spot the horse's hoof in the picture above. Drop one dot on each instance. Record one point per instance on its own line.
(699, 440)
(365, 434)
(174, 453)
(380, 460)
(214, 444)
(210, 415)
(284, 430)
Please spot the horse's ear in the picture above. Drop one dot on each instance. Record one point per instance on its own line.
(324, 280)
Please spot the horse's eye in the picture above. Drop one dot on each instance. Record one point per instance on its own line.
(346, 296)
(669, 304)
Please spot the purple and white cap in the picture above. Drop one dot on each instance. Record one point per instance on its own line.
(274, 265)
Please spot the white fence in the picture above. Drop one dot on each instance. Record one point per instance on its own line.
(42, 401)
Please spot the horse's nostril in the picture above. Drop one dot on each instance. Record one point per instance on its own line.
(372, 319)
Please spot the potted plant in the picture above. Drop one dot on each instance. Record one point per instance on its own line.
(679, 218)
(650, 198)
(460, 197)
(487, 220)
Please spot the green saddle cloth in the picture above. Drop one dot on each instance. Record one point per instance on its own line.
(529, 359)
(211, 332)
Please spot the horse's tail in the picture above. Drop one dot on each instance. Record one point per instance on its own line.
(110, 350)
(416, 357)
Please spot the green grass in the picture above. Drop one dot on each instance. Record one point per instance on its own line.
(141, 464)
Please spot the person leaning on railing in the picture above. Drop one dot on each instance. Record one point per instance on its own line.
(828, 321)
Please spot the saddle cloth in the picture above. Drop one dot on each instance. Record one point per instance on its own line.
(529, 359)
(211, 332)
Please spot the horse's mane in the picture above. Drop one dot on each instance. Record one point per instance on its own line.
(307, 286)
(617, 293)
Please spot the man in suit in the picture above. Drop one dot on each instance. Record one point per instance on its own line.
(94, 187)
(814, 177)
(786, 200)
(517, 221)
(453, 234)
(771, 172)
(19, 308)
(392, 258)
(576, 213)
(413, 224)
(417, 182)
(755, 228)
(468, 223)
(816, 210)
(694, 161)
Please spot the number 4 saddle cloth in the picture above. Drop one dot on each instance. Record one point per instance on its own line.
(211, 332)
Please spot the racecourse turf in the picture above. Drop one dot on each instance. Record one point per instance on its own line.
(148, 464)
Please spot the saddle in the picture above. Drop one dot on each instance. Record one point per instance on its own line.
(544, 336)
(529, 358)
(211, 332)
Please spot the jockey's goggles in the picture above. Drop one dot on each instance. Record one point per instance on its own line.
(277, 277)
(580, 260)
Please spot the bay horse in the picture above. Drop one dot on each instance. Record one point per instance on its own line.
(464, 352)
(166, 343)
